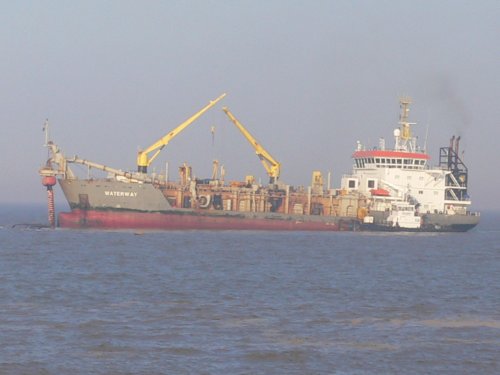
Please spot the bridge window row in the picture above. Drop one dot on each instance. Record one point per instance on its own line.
(390, 162)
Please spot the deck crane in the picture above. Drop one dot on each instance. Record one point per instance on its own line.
(143, 158)
(271, 165)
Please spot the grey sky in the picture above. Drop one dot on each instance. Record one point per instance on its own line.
(308, 79)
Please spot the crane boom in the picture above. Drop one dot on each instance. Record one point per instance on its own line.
(143, 158)
(271, 165)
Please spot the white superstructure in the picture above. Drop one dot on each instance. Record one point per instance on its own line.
(403, 174)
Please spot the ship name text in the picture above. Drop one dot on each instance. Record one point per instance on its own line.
(131, 194)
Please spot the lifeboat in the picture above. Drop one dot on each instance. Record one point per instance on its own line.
(380, 192)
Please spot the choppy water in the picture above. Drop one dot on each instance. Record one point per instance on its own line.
(82, 302)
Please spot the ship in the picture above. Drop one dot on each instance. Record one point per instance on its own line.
(388, 190)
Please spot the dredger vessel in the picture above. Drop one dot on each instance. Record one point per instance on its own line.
(388, 190)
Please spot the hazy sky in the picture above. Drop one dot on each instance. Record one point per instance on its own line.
(307, 78)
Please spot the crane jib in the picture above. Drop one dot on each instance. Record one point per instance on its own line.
(143, 158)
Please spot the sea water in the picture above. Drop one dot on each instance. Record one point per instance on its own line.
(236, 302)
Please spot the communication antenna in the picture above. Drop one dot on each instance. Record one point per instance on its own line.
(45, 129)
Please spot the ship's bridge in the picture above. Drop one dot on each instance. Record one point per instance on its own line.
(372, 159)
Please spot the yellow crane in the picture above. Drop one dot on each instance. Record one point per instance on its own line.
(271, 165)
(143, 158)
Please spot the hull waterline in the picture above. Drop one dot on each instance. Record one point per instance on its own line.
(192, 220)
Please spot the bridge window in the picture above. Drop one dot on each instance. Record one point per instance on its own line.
(371, 184)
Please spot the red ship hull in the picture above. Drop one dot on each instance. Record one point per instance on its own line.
(107, 219)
